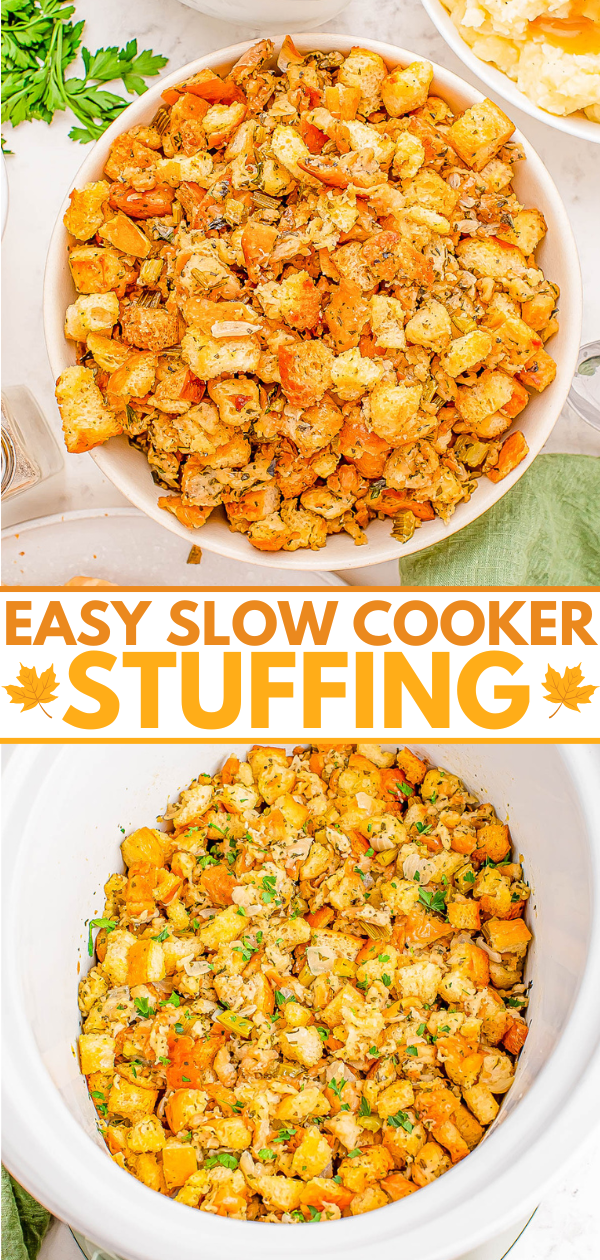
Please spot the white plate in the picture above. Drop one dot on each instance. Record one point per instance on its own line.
(127, 548)
(128, 468)
(574, 124)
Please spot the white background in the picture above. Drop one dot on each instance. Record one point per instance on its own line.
(45, 163)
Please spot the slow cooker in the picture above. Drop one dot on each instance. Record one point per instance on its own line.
(65, 811)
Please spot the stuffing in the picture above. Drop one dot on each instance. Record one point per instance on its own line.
(327, 253)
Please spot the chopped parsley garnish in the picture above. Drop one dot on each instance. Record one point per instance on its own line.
(364, 1109)
(206, 860)
(323, 1032)
(109, 925)
(421, 1029)
(433, 900)
(400, 1121)
(387, 980)
(223, 1158)
(411, 1050)
(422, 829)
(284, 1135)
(269, 883)
(314, 1214)
(162, 936)
(354, 1153)
(143, 1007)
(266, 1154)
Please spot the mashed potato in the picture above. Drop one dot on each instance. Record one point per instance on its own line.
(550, 51)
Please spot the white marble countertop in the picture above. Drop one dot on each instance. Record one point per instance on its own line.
(45, 162)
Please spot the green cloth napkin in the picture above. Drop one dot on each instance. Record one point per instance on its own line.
(544, 532)
(24, 1222)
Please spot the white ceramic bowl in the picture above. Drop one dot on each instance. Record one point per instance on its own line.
(574, 124)
(64, 810)
(128, 467)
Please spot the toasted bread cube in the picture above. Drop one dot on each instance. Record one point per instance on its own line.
(497, 175)
(469, 1128)
(387, 321)
(289, 149)
(366, 71)
(183, 1107)
(420, 981)
(312, 1156)
(342, 101)
(464, 915)
(238, 400)
(540, 372)
(146, 1134)
(408, 89)
(371, 1165)
(149, 1172)
(125, 235)
(216, 356)
(397, 1186)
(465, 352)
(529, 227)
(179, 1162)
(232, 1131)
(108, 353)
(144, 845)
(196, 169)
(429, 190)
(194, 1189)
(98, 270)
(149, 328)
(430, 1163)
(411, 766)
(479, 133)
(281, 1193)
(135, 378)
(395, 1098)
(91, 988)
(303, 1045)
(193, 804)
(537, 312)
(370, 1199)
(145, 962)
(489, 393)
(225, 927)
(512, 453)
(87, 421)
(306, 371)
(481, 1102)
(85, 213)
(297, 300)
(507, 936)
(118, 946)
(91, 313)
(220, 121)
(492, 258)
(393, 411)
(310, 1102)
(96, 1053)
(400, 895)
(493, 841)
(430, 327)
(409, 156)
(353, 375)
(129, 1099)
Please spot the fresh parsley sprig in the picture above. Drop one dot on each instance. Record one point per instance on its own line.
(39, 43)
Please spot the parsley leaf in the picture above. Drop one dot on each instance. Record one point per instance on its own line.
(109, 925)
(400, 1121)
(223, 1158)
(143, 1007)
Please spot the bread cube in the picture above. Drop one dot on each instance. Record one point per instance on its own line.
(108, 353)
(231, 1131)
(216, 356)
(469, 1128)
(96, 1053)
(183, 1107)
(420, 981)
(481, 1102)
(289, 149)
(395, 1098)
(220, 121)
(225, 927)
(540, 372)
(466, 352)
(312, 1156)
(394, 411)
(281, 1193)
(144, 845)
(98, 270)
(179, 1162)
(512, 452)
(125, 235)
(146, 1134)
(303, 1045)
(464, 915)
(306, 371)
(295, 300)
(145, 962)
(489, 393)
(196, 169)
(91, 313)
(413, 769)
(118, 946)
(480, 133)
(429, 190)
(430, 327)
(491, 257)
(310, 1102)
(86, 420)
(507, 936)
(529, 227)
(364, 136)
(537, 312)
(400, 895)
(366, 71)
(342, 101)
(193, 804)
(91, 988)
(409, 156)
(128, 1099)
(408, 89)
(352, 375)
(150, 328)
(493, 842)
(371, 1165)
(85, 213)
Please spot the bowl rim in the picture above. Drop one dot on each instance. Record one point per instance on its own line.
(575, 124)
(378, 548)
(513, 1167)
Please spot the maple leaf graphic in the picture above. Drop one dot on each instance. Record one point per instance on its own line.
(33, 690)
(566, 689)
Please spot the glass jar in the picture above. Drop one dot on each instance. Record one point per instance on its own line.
(30, 452)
